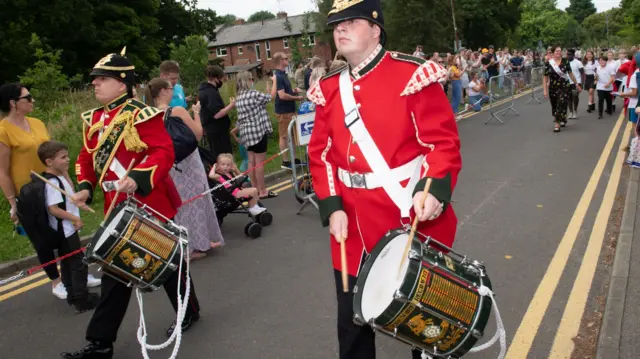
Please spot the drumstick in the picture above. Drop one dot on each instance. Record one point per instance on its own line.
(115, 197)
(58, 189)
(414, 226)
(343, 266)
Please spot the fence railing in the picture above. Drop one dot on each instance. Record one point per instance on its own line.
(502, 91)
(536, 76)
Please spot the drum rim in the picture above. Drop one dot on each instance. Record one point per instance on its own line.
(96, 237)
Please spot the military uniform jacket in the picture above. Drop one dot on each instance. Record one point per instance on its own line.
(122, 131)
(407, 114)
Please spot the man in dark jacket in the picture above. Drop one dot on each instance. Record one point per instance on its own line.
(214, 114)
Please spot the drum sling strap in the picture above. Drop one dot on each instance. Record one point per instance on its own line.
(400, 196)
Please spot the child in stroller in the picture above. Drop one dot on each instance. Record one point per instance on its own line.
(229, 197)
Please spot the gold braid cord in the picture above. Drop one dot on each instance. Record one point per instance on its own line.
(340, 5)
(130, 134)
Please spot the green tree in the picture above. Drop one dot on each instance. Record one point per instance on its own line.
(552, 27)
(45, 77)
(192, 56)
(581, 9)
(261, 16)
(227, 19)
(596, 27)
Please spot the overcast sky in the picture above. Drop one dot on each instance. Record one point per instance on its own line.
(244, 8)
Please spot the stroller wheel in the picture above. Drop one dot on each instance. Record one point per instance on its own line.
(253, 230)
(265, 218)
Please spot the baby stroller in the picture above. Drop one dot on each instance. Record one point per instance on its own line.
(226, 203)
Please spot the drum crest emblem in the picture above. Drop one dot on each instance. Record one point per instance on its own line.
(133, 259)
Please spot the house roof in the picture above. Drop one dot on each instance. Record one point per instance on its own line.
(237, 68)
(261, 30)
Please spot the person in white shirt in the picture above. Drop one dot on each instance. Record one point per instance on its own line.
(605, 76)
(64, 219)
(590, 66)
(632, 93)
(578, 72)
(475, 93)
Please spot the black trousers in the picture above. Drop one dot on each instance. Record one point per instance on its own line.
(110, 312)
(74, 271)
(355, 342)
(602, 97)
(219, 142)
(46, 253)
(574, 98)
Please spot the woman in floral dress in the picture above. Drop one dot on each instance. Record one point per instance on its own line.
(556, 87)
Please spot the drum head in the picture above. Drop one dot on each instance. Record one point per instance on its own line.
(115, 220)
(383, 279)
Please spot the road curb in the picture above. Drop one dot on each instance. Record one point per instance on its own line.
(9, 268)
(611, 330)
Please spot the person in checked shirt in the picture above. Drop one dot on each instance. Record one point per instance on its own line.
(254, 126)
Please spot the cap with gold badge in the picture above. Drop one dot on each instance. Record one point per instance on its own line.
(116, 66)
(358, 9)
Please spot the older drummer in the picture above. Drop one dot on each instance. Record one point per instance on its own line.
(370, 166)
(122, 132)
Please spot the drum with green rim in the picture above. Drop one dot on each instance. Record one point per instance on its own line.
(431, 303)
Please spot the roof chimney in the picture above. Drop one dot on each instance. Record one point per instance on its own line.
(282, 15)
(239, 22)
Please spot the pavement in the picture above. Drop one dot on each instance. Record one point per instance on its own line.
(530, 205)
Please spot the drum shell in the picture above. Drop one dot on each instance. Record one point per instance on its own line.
(407, 322)
(126, 254)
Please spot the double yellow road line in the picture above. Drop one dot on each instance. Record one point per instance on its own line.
(570, 323)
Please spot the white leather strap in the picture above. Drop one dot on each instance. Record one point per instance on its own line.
(400, 196)
(371, 181)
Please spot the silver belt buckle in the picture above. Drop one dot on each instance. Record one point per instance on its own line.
(358, 180)
(108, 186)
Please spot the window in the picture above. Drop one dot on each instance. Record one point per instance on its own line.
(267, 46)
(312, 40)
(258, 52)
(286, 43)
(221, 51)
(240, 50)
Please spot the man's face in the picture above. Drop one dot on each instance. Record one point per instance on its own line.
(173, 77)
(570, 56)
(107, 89)
(355, 36)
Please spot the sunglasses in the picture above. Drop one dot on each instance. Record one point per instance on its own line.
(28, 97)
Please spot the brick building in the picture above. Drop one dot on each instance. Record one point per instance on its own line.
(252, 45)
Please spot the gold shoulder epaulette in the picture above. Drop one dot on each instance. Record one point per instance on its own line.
(407, 58)
(137, 103)
(334, 72)
(146, 114)
(88, 115)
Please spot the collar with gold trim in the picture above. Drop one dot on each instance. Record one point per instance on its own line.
(117, 102)
(369, 63)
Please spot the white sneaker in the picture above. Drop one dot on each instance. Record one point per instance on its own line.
(256, 210)
(92, 281)
(60, 291)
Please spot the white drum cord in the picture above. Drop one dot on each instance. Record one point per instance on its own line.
(181, 312)
(500, 334)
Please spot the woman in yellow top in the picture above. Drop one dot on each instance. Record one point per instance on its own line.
(20, 137)
(455, 74)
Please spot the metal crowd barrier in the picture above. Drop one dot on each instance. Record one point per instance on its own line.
(537, 74)
(501, 88)
(300, 129)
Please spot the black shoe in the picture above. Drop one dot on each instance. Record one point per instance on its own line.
(563, 123)
(286, 165)
(86, 304)
(94, 350)
(187, 322)
(599, 117)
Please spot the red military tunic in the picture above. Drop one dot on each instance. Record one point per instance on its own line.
(126, 130)
(407, 114)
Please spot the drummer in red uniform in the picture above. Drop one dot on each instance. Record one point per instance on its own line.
(383, 126)
(121, 131)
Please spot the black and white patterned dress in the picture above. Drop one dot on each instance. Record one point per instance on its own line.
(253, 118)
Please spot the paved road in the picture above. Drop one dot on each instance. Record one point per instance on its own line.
(274, 297)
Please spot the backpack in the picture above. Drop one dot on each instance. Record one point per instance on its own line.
(31, 205)
(184, 141)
